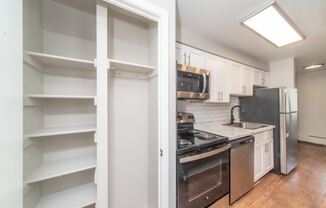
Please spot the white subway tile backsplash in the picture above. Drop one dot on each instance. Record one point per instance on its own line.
(208, 112)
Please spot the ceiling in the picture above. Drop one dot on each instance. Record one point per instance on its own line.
(220, 20)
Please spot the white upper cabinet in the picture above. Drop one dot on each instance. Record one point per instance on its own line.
(264, 78)
(181, 54)
(246, 81)
(227, 77)
(220, 76)
(240, 80)
(190, 56)
(260, 78)
(196, 58)
(235, 79)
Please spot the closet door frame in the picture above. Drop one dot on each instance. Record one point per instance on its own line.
(160, 16)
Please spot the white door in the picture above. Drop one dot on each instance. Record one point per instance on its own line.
(181, 54)
(264, 78)
(259, 161)
(268, 155)
(219, 82)
(196, 58)
(214, 93)
(235, 79)
(256, 77)
(223, 79)
(246, 81)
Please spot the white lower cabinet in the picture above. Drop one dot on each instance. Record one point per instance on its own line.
(264, 154)
(268, 155)
(259, 162)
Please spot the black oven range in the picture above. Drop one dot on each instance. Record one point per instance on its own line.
(202, 165)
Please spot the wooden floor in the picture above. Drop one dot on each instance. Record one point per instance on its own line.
(305, 187)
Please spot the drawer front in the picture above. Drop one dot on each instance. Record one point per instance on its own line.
(263, 136)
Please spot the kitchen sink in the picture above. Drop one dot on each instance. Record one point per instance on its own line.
(246, 125)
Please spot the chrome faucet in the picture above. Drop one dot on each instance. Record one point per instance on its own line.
(232, 109)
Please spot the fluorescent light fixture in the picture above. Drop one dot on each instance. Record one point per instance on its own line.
(274, 25)
(315, 66)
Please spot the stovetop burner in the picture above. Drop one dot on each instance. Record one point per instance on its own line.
(184, 142)
(205, 136)
(190, 139)
(194, 140)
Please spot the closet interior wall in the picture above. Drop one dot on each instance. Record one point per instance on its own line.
(133, 112)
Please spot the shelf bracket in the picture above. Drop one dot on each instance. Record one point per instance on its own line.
(95, 63)
(95, 176)
(95, 101)
(95, 138)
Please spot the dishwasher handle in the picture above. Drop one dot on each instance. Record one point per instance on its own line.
(242, 141)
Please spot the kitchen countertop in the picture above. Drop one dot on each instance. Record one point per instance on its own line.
(232, 133)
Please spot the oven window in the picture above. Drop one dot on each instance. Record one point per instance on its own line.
(203, 178)
(203, 181)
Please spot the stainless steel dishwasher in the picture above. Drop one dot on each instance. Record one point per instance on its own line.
(242, 167)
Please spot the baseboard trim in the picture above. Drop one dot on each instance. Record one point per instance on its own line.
(312, 143)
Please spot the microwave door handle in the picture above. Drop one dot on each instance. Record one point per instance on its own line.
(204, 83)
(204, 155)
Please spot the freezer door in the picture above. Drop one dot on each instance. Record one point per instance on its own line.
(289, 142)
(288, 100)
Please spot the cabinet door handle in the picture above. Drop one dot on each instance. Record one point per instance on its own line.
(185, 58)
(219, 96)
(266, 147)
(243, 89)
(222, 96)
(189, 59)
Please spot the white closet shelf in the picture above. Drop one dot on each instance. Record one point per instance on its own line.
(61, 61)
(51, 96)
(63, 167)
(117, 65)
(77, 197)
(60, 131)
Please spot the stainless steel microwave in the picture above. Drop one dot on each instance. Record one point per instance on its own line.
(192, 83)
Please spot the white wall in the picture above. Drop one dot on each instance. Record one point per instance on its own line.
(282, 73)
(11, 143)
(200, 41)
(312, 102)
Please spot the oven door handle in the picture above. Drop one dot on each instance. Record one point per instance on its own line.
(204, 155)
(205, 83)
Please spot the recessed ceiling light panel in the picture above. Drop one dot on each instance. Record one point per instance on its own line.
(274, 25)
(315, 66)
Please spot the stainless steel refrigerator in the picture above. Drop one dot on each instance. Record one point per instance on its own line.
(276, 106)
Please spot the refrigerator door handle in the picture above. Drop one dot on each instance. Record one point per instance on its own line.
(289, 103)
(282, 100)
(283, 137)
